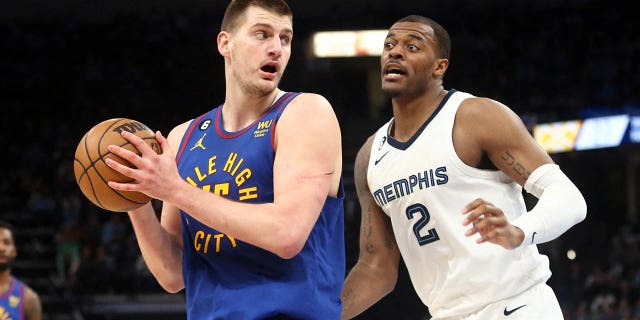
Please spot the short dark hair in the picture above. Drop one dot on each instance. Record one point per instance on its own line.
(6, 225)
(237, 8)
(442, 36)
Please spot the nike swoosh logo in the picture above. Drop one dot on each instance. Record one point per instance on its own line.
(533, 236)
(508, 312)
(376, 162)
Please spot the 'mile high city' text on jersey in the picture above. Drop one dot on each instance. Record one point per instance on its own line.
(226, 278)
(423, 186)
(12, 301)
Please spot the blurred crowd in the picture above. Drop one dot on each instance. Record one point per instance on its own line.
(61, 76)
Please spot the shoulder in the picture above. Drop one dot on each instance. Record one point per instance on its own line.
(179, 130)
(485, 114)
(364, 154)
(33, 306)
(481, 107)
(309, 109)
(176, 134)
(365, 151)
(30, 294)
(306, 101)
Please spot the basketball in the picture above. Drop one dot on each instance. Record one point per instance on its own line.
(92, 173)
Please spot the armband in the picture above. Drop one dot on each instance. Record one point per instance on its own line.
(560, 205)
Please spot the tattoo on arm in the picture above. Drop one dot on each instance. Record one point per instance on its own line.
(366, 229)
(346, 297)
(390, 239)
(390, 242)
(517, 167)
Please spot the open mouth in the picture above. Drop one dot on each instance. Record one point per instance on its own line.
(270, 69)
(394, 70)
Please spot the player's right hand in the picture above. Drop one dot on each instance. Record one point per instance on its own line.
(490, 222)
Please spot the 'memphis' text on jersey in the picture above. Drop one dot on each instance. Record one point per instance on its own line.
(406, 186)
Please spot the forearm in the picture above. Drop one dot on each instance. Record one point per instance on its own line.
(281, 227)
(161, 253)
(560, 206)
(363, 287)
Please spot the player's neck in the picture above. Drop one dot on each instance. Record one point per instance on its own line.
(410, 113)
(5, 278)
(241, 110)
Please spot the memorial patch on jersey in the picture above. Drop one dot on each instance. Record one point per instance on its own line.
(14, 301)
(205, 124)
(404, 187)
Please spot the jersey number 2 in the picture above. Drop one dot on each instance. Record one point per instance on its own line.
(432, 235)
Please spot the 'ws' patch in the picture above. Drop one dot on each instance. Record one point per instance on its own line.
(263, 128)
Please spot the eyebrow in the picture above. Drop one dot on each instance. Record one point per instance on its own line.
(268, 26)
(415, 36)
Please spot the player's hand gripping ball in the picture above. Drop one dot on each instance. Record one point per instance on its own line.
(93, 174)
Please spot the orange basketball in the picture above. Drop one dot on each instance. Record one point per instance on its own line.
(92, 173)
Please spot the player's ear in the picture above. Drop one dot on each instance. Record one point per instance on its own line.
(441, 66)
(223, 43)
(14, 253)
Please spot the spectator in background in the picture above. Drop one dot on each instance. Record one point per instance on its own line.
(17, 300)
(68, 247)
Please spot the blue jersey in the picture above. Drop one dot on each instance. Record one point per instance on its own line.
(12, 301)
(226, 278)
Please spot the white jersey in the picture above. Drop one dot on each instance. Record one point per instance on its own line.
(422, 185)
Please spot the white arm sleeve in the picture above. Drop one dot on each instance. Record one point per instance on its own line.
(560, 205)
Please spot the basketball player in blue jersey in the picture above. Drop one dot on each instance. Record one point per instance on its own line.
(252, 219)
(440, 186)
(17, 300)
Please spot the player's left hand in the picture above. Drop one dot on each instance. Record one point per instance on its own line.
(492, 225)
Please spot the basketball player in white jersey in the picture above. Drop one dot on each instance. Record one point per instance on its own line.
(440, 184)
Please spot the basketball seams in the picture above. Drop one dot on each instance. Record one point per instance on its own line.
(96, 160)
(101, 158)
(86, 170)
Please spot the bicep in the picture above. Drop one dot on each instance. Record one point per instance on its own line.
(504, 137)
(308, 155)
(33, 306)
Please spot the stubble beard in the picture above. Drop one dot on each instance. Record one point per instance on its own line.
(256, 90)
(411, 89)
(250, 86)
(391, 93)
(4, 266)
